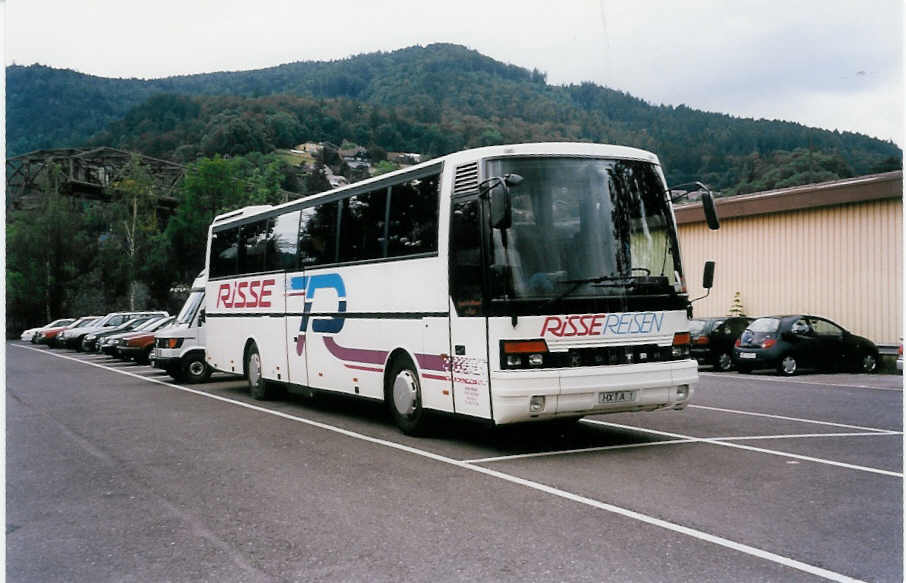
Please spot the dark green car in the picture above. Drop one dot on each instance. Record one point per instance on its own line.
(791, 343)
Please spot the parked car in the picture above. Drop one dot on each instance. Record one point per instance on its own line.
(109, 342)
(93, 342)
(713, 339)
(83, 322)
(138, 344)
(110, 320)
(48, 335)
(791, 343)
(30, 334)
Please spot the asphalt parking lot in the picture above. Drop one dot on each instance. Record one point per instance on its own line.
(116, 473)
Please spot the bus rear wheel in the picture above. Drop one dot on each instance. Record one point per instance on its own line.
(259, 388)
(404, 396)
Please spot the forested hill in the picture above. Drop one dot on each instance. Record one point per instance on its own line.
(434, 100)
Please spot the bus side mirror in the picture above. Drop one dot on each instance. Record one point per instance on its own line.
(201, 318)
(708, 275)
(710, 214)
(501, 202)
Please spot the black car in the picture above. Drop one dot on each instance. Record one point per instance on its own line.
(713, 338)
(790, 343)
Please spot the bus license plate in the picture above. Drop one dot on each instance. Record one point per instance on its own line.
(616, 396)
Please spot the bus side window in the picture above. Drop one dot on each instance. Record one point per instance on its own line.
(318, 235)
(253, 240)
(414, 207)
(283, 242)
(362, 226)
(224, 252)
(465, 256)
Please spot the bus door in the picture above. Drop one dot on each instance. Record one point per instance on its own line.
(468, 324)
(295, 336)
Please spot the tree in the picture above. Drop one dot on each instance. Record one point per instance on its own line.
(133, 219)
(48, 248)
(736, 308)
(211, 186)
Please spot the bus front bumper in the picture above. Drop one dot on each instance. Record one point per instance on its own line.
(576, 392)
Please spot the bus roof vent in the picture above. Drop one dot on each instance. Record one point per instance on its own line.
(466, 179)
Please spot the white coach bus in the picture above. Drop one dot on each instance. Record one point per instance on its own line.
(510, 283)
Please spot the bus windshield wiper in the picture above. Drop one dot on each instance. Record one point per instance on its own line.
(577, 283)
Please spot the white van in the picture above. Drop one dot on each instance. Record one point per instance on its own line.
(179, 349)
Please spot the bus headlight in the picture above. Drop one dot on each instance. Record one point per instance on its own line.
(682, 342)
(682, 392)
(521, 353)
(536, 404)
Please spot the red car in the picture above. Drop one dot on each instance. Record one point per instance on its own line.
(138, 345)
(48, 335)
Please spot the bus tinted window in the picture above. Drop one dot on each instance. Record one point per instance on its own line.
(362, 226)
(282, 242)
(465, 255)
(224, 252)
(413, 217)
(254, 242)
(318, 235)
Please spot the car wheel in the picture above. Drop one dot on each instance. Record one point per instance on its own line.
(868, 363)
(195, 369)
(144, 357)
(787, 366)
(724, 362)
(259, 388)
(404, 396)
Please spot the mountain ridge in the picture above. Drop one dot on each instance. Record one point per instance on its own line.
(459, 96)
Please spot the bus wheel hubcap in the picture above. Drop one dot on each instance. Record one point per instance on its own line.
(405, 393)
(196, 368)
(254, 367)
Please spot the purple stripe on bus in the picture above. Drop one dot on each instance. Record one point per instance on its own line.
(355, 354)
(433, 362)
(300, 344)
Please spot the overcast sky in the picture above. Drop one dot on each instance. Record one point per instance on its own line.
(824, 63)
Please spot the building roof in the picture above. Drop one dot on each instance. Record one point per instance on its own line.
(836, 192)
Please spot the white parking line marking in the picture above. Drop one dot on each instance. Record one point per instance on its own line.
(674, 442)
(813, 421)
(799, 382)
(673, 527)
(580, 450)
(806, 435)
(749, 448)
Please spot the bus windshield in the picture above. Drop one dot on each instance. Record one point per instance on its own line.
(586, 228)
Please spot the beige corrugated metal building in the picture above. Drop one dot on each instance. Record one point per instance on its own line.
(833, 249)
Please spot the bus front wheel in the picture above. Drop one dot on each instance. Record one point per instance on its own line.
(404, 395)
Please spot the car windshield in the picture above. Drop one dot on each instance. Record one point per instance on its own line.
(592, 228)
(765, 325)
(187, 313)
(158, 324)
(146, 325)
